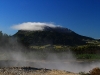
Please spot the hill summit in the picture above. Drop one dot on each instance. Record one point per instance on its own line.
(57, 29)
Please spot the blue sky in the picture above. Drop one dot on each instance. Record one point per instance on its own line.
(81, 16)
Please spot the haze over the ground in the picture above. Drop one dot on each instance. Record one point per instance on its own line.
(81, 16)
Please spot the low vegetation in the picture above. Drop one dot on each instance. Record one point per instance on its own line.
(94, 71)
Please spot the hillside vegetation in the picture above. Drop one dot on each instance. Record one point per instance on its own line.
(51, 37)
(51, 41)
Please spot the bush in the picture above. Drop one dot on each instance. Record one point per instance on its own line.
(95, 71)
(83, 73)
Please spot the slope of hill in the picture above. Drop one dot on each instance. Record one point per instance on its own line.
(53, 36)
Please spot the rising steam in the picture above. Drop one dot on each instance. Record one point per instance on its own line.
(62, 61)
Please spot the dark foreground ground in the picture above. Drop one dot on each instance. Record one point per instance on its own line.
(12, 67)
(8, 67)
(32, 71)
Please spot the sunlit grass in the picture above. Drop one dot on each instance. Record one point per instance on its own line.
(88, 56)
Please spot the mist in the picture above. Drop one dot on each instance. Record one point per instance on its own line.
(17, 57)
(52, 61)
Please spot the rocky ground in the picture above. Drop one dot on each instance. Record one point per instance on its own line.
(32, 71)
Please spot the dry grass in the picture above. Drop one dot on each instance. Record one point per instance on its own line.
(32, 71)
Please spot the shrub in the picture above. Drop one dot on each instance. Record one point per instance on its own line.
(95, 71)
(83, 73)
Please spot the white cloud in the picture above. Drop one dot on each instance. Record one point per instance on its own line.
(33, 26)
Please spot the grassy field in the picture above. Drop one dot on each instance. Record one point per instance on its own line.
(90, 51)
(88, 56)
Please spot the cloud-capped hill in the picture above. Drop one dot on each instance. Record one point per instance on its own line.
(40, 26)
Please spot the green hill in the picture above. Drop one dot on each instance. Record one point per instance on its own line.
(56, 36)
